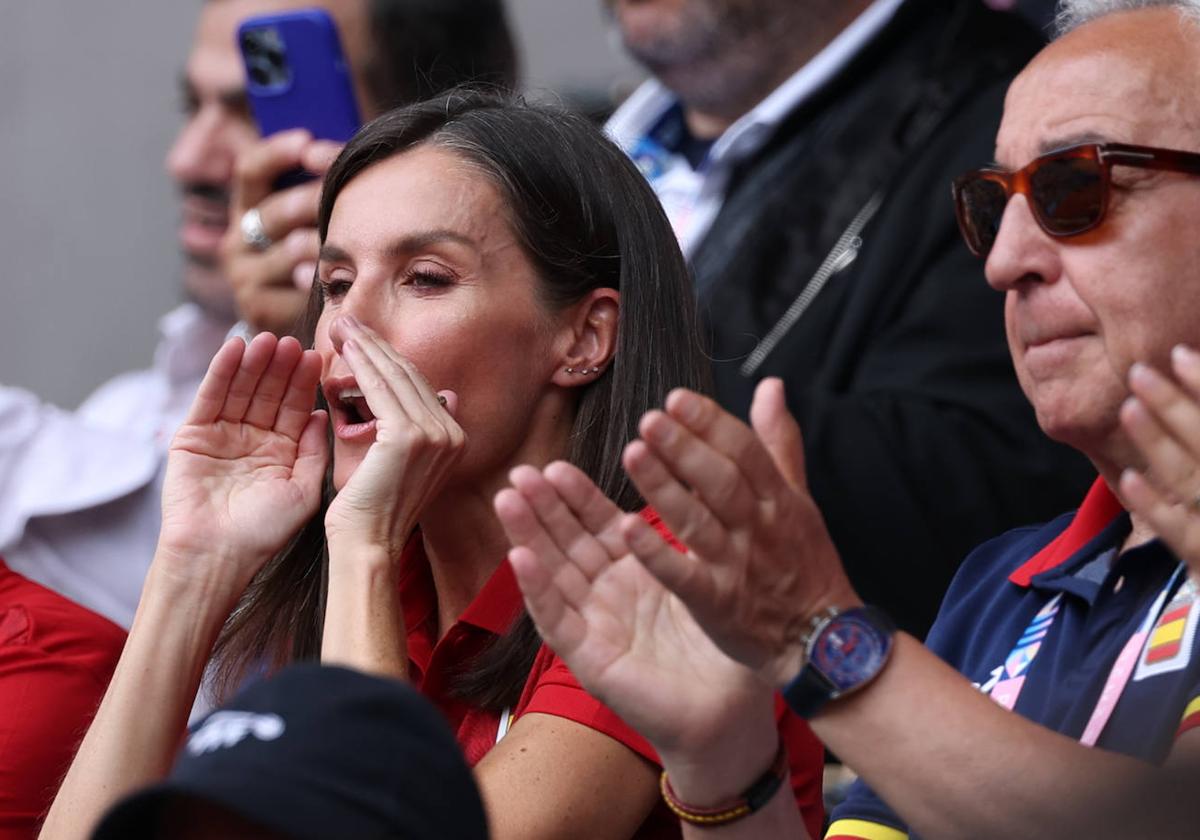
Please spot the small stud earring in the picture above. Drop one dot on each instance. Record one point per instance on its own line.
(570, 370)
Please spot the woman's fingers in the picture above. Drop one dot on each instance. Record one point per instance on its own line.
(265, 401)
(414, 391)
(296, 406)
(258, 355)
(312, 455)
(394, 387)
(214, 388)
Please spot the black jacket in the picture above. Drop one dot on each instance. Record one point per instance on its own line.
(919, 442)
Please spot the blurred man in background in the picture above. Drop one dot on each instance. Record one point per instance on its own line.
(804, 150)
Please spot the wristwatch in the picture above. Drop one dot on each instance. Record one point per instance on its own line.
(844, 651)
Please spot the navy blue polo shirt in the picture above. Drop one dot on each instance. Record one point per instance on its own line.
(1105, 598)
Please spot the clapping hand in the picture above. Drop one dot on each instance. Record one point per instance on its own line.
(1162, 418)
(244, 470)
(761, 562)
(629, 641)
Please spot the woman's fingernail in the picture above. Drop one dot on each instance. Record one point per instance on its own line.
(1181, 354)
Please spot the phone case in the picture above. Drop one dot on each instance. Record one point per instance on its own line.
(297, 76)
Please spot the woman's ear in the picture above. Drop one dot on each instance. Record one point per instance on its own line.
(590, 338)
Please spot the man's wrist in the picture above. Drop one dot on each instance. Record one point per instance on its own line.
(785, 667)
(846, 650)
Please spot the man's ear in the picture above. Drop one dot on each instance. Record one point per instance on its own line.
(590, 338)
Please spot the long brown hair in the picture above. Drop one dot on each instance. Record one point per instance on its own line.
(587, 219)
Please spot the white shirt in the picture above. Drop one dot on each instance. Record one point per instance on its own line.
(79, 491)
(693, 197)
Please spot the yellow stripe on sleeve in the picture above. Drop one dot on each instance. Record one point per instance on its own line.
(1191, 709)
(863, 830)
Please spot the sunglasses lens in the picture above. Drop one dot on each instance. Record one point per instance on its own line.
(980, 209)
(1068, 194)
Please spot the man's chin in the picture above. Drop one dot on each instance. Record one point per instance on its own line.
(205, 285)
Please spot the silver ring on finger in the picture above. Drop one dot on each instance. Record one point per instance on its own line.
(253, 232)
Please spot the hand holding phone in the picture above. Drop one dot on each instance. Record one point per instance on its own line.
(302, 99)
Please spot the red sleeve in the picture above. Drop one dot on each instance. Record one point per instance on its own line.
(55, 661)
(553, 690)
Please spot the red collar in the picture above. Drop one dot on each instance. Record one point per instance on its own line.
(493, 609)
(1100, 507)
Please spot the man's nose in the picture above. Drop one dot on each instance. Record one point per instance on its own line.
(200, 153)
(1022, 250)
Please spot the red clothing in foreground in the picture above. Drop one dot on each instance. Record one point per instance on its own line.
(551, 688)
(56, 658)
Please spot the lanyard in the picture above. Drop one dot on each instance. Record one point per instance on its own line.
(1007, 688)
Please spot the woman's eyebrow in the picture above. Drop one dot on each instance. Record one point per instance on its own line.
(401, 246)
(417, 241)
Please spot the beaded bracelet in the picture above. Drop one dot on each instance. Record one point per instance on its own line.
(754, 798)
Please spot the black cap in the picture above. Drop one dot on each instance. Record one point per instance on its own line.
(319, 752)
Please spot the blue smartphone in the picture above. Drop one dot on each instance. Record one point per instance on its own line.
(297, 76)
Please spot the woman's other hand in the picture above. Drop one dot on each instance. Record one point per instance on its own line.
(1162, 418)
(244, 470)
(416, 443)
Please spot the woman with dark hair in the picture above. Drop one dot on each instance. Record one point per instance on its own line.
(497, 286)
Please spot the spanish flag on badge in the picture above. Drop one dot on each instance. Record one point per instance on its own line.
(1169, 646)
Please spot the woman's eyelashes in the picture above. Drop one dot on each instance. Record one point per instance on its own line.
(332, 288)
(426, 277)
(419, 278)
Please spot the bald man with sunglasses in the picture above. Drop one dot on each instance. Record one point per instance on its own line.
(1086, 627)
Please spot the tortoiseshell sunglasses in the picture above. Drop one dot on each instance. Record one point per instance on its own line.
(1067, 190)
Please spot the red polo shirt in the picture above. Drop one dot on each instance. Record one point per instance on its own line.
(551, 688)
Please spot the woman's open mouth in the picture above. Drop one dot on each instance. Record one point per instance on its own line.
(352, 417)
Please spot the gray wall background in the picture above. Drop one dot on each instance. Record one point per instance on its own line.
(88, 108)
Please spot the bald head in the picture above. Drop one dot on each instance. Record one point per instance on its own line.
(1128, 77)
(1081, 310)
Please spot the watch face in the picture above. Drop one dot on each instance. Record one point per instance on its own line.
(849, 651)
